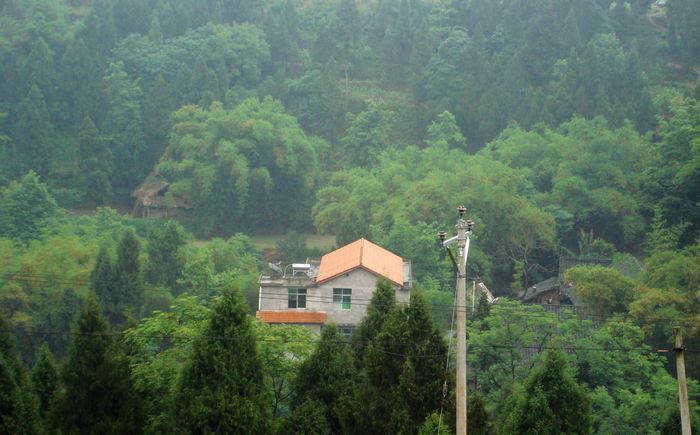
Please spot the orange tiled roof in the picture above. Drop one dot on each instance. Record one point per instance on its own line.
(361, 253)
(291, 316)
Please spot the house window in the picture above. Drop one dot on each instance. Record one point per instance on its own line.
(346, 330)
(342, 298)
(297, 298)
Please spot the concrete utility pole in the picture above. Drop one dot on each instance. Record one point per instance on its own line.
(464, 230)
(679, 349)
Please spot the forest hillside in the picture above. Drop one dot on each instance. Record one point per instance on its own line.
(146, 144)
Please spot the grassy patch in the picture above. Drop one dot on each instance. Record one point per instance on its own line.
(262, 243)
(322, 242)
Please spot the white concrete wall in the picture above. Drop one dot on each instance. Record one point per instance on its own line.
(320, 298)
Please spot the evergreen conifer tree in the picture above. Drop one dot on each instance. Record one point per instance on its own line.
(39, 68)
(182, 82)
(478, 420)
(128, 287)
(309, 418)
(434, 425)
(30, 132)
(403, 386)
(44, 379)
(102, 282)
(157, 107)
(94, 164)
(382, 302)
(99, 30)
(221, 389)
(554, 403)
(165, 259)
(26, 207)
(17, 405)
(80, 89)
(328, 377)
(124, 125)
(97, 394)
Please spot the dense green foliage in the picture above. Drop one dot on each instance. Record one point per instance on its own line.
(44, 379)
(553, 403)
(249, 164)
(17, 407)
(221, 386)
(568, 129)
(327, 378)
(97, 381)
(25, 207)
(166, 259)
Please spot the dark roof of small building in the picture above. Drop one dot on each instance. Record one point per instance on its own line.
(539, 288)
(152, 193)
(548, 285)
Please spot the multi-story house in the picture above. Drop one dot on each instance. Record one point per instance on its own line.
(337, 288)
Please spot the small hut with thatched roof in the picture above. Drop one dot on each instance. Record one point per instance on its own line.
(152, 200)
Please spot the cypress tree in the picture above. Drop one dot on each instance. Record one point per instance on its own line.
(157, 107)
(26, 207)
(44, 379)
(39, 67)
(204, 84)
(128, 291)
(17, 407)
(94, 164)
(102, 282)
(183, 82)
(99, 30)
(165, 259)
(167, 20)
(30, 131)
(554, 403)
(97, 394)
(404, 370)
(221, 389)
(81, 90)
(423, 375)
(124, 124)
(309, 418)
(382, 302)
(327, 376)
(434, 425)
(478, 420)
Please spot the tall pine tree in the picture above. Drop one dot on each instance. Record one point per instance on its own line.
(554, 403)
(17, 406)
(94, 164)
(404, 371)
(328, 377)
(165, 257)
(80, 89)
(157, 107)
(102, 283)
(38, 68)
(44, 379)
(97, 394)
(128, 291)
(124, 126)
(382, 302)
(30, 132)
(221, 389)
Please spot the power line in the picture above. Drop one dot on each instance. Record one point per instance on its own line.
(523, 310)
(235, 338)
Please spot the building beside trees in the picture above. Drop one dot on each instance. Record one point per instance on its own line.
(337, 288)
